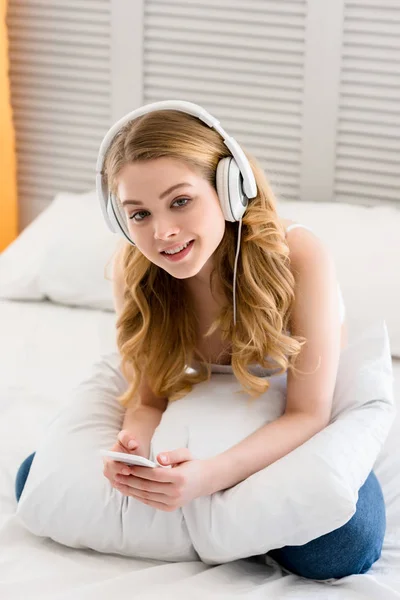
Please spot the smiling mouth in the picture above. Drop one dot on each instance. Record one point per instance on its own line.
(186, 244)
(176, 256)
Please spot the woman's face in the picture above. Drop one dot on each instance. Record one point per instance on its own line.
(160, 218)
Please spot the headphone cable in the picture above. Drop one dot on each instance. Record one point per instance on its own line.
(234, 271)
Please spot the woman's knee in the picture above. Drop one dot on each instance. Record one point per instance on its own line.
(367, 527)
(350, 549)
(355, 557)
(360, 542)
(22, 475)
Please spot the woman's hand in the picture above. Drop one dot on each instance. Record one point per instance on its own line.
(126, 442)
(167, 489)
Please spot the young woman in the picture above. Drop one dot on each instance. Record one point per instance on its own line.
(177, 322)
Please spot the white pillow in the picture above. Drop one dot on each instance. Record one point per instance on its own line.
(65, 255)
(79, 256)
(365, 244)
(307, 493)
(21, 261)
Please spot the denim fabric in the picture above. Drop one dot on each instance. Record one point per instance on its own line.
(349, 550)
(22, 475)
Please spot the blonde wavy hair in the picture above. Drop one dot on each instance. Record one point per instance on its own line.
(156, 330)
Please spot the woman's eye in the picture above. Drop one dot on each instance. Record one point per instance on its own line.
(140, 212)
(136, 214)
(187, 200)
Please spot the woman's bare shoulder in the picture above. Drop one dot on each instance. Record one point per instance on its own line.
(286, 222)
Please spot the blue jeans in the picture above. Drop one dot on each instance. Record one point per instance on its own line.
(349, 550)
(22, 475)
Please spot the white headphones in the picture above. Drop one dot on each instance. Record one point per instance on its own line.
(235, 181)
(231, 170)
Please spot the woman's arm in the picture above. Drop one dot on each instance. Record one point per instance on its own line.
(141, 422)
(315, 316)
(263, 447)
(143, 417)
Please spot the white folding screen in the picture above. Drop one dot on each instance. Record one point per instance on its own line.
(244, 62)
(311, 88)
(367, 166)
(60, 92)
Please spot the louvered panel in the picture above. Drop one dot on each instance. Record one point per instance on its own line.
(87, 112)
(55, 72)
(273, 104)
(368, 132)
(40, 16)
(44, 84)
(60, 64)
(58, 134)
(43, 151)
(249, 74)
(56, 168)
(56, 184)
(229, 52)
(244, 63)
(384, 155)
(77, 116)
(51, 139)
(158, 85)
(60, 54)
(39, 45)
(56, 96)
(69, 39)
(77, 5)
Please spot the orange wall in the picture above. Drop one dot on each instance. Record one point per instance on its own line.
(8, 183)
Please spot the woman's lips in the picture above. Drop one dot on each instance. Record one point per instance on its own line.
(179, 255)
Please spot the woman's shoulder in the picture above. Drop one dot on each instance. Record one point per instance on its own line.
(303, 242)
(286, 223)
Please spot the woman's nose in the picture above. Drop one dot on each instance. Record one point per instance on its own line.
(165, 230)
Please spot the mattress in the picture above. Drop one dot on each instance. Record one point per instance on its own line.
(45, 351)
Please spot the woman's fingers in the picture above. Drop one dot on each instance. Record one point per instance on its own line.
(143, 489)
(112, 468)
(127, 440)
(126, 443)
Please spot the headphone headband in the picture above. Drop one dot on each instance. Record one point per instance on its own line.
(249, 183)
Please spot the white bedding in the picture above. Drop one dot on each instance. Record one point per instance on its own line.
(46, 350)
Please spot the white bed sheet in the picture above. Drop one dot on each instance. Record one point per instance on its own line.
(47, 349)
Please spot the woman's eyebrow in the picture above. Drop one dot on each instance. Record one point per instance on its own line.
(168, 191)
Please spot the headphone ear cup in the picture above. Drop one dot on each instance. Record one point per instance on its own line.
(117, 217)
(229, 189)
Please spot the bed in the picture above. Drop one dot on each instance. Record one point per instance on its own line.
(51, 334)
